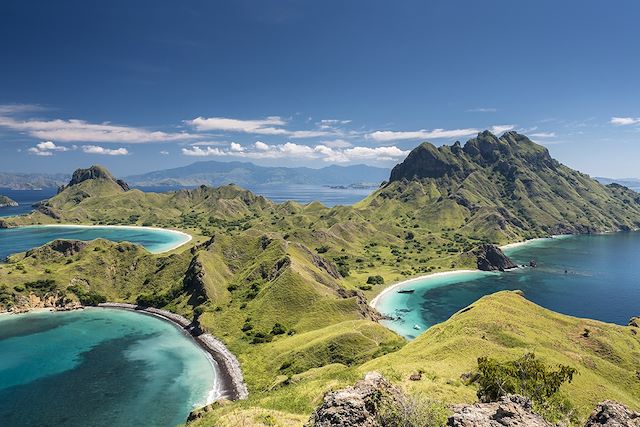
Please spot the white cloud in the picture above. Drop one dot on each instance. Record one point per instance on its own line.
(624, 121)
(497, 129)
(82, 131)
(268, 126)
(386, 135)
(543, 135)
(164, 152)
(19, 108)
(94, 149)
(197, 151)
(273, 125)
(337, 143)
(236, 147)
(290, 150)
(47, 148)
(261, 146)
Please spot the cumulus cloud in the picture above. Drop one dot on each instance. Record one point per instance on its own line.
(386, 135)
(624, 121)
(82, 131)
(272, 125)
(290, 150)
(234, 146)
(47, 148)
(95, 149)
(337, 143)
(164, 152)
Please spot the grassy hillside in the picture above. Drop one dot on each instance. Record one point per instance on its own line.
(285, 285)
(504, 326)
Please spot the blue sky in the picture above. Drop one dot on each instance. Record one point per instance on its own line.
(144, 85)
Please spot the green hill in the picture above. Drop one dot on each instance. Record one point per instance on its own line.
(502, 189)
(285, 285)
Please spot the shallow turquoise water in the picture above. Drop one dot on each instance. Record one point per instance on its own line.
(99, 367)
(595, 276)
(14, 240)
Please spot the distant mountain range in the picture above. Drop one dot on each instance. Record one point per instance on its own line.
(247, 174)
(632, 183)
(32, 181)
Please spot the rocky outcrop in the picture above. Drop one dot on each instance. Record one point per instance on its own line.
(65, 247)
(94, 172)
(7, 202)
(509, 411)
(56, 301)
(356, 406)
(491, 258)
(613, 414)
(193, 282)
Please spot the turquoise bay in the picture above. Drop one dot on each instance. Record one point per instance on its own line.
(99, 367)
(594, 276)
(13, 240)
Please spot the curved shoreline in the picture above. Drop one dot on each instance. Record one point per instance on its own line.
(374, 302)
(230, 383)
(187, 237)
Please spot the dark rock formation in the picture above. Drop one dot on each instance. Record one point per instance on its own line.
(634, 321)
(65, 247)
(509, 411)
(491, 258)
(613, 414)
(356, 406)
(193, 283)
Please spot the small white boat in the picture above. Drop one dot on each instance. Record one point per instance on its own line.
(416, 327)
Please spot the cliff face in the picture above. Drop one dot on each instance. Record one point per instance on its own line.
(491, 258)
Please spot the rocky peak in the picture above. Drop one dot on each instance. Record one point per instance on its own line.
(94, 172)
(491, 258)
(509, 411)
(427, 161)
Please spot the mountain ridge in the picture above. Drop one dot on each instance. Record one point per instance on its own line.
(249, 174)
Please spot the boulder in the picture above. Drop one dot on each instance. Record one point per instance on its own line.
(491, 258)
(613, 414)
(356, 406)
(509, 411)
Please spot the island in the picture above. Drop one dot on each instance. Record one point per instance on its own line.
(6, 202)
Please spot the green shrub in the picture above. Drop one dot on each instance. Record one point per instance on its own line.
(528, 377)
(322, 249)
(375, 280)
(278, 329)
(89, 298)
(413, 411)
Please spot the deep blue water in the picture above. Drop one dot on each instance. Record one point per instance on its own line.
(13, 240)
(602, 281)
(99, 367)
(25, 199)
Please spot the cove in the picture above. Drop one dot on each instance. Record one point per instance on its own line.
(100, 367)
(155, 240)
(593, 276)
